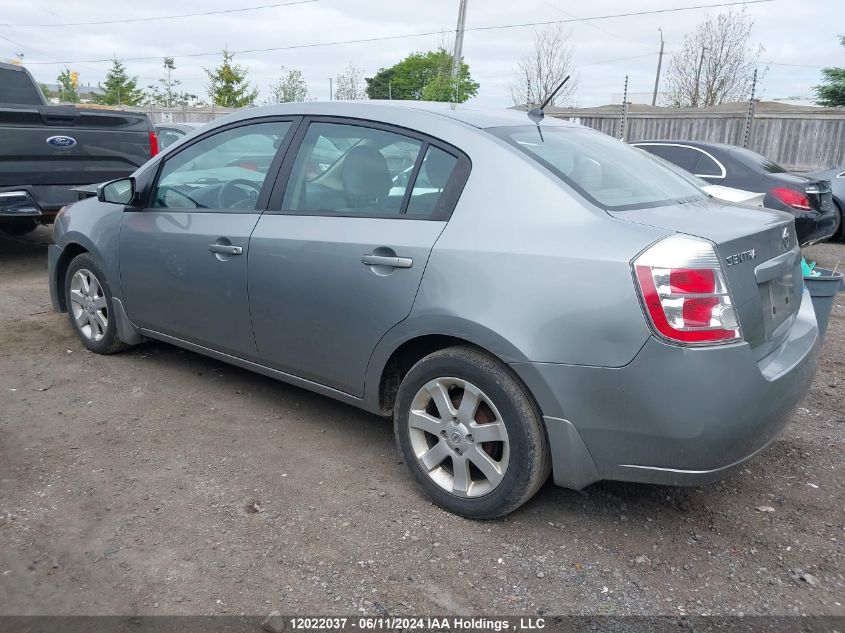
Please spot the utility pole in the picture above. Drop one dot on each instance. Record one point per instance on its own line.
(698, 77)
(389, 91)
(330, 88)
(659, 63)
(623, 121)
(459, 47)
(749, 117)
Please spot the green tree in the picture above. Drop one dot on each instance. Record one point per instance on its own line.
(119, 87)
(45, 91)
(166, 93)
(228, 86)
(831, 92)
(422, 76)
(290, 87)
(67, 90)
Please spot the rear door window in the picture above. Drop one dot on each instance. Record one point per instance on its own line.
(345, 169)
(683, 157)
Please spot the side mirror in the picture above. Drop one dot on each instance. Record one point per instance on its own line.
(121, 191)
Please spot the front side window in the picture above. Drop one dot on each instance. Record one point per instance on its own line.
(607, 172)
(224, 171)
(351, 170)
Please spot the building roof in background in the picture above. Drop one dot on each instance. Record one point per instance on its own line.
(762, 107)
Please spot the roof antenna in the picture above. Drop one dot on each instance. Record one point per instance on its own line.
(537, 114)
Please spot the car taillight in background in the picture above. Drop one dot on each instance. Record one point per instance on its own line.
(792, 198)
(153, 144)
(684, 292)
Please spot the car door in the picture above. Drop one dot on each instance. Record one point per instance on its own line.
(183, 258)
(337, 260)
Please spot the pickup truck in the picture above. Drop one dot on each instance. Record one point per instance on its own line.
(47, 151)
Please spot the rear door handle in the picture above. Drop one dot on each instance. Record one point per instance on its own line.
(382, 260)
(225, 249)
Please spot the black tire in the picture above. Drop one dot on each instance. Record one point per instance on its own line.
(529, 464)
(18, 226)
(109, 343)
(840, 232)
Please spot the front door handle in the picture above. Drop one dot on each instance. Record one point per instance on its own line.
(383, 260)
(225, 249)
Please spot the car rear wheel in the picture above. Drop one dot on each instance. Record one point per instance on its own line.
(470, 434)
(89, 306)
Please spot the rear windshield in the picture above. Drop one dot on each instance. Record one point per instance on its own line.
(17, 87)
(756, 161)
(607, 172)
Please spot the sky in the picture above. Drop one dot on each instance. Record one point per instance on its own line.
(800, 37)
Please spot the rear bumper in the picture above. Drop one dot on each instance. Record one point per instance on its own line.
(679, 416)
(815, 227)
(18, 204)
(39, 201)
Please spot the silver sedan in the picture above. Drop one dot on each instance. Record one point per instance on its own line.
(523, 297)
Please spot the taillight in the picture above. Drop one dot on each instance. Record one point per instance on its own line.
(792, 198)
(153, 144)
(684, 292)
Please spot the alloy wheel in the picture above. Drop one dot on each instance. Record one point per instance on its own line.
(88, 305)
(458, 437)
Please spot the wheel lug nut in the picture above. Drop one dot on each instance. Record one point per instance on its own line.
(469, 438)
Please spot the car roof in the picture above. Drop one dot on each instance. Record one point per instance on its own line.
(474, 116)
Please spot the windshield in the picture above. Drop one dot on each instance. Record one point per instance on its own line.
(607, 172)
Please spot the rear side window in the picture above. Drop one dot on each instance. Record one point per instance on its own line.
(607, 172)
(706, 166)
(344, 169)
(436, 170)
(683, 157)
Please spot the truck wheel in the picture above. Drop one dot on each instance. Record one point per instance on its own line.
(89, 306)
(18, 226)
(470, 434)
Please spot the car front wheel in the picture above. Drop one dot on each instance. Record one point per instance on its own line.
(89, 306)
(470, 434)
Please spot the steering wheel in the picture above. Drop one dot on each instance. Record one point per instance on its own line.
(239, 192)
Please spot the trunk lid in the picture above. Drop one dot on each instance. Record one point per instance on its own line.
(88, 146)
(760, 259)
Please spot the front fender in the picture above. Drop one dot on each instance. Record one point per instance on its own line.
(95, 227)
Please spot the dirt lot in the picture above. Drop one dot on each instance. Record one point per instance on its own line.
(129, 484)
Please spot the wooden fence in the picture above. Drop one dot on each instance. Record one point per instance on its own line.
(797, 137)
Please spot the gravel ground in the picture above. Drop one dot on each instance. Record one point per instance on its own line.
(160, 481)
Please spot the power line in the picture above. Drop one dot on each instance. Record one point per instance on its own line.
(163, 17)
(428, 33)
(595, 26)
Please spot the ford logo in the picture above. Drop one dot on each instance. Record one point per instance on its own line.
(61, 141)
